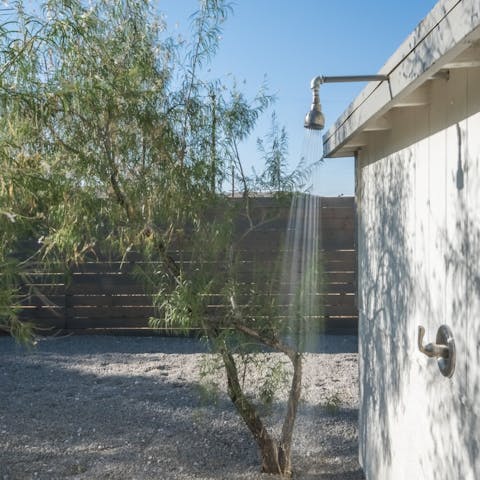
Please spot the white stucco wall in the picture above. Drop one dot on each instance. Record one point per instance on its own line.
(418, 196)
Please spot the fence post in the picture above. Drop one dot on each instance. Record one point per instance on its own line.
(68, 304)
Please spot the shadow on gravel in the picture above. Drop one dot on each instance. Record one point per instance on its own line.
(335, 343)
(70, 415)
(56, 422)
(347, 475)
(93, 344)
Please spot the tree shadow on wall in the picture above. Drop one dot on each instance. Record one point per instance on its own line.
(456, 422)
(395, 292)
(386, 279)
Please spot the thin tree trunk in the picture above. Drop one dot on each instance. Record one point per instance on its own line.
(276, 458)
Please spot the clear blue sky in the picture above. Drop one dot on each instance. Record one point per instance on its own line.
(290, 42)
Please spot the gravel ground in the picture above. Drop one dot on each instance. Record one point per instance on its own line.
(106, 407)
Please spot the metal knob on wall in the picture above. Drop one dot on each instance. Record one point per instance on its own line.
(443, 349)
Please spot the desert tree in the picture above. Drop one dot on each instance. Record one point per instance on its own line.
(110, 141)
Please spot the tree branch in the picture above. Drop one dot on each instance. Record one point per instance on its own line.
(269, 342)
(114, 174)
(240, 167)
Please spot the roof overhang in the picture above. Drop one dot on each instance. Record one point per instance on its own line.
(448, 38)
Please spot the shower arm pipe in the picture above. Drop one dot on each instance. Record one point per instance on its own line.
(315, 120)
(317, 81)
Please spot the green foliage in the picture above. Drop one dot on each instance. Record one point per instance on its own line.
(211, 369)
(9, 296)
(274, 379)
(332, 404)
(181, 308)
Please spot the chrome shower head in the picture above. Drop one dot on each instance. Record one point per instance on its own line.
(314, 120)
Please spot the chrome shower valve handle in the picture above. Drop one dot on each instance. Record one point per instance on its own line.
(431, 349)
(443, 349)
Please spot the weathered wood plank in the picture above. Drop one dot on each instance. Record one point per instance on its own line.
(340, 311)
(107, 312)
(47, 290)
(339, 277)
(107, 284)
(337, 202)
(44, 317)
(35, 301)
(111, 300)
(107, 323)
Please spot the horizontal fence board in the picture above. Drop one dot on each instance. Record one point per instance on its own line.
(343, 229)
(326, 214)
(331, 322)
(110, 300)
(327, 311)
(113, 312)
(344, 325)
(340, 287)
(106, 323)
(116, 267)
(265, 241)
(46, 325)
(337, 202)
(263, 253)
(339, 277)
(329, 258)
(343, 300)
(36, 301)
(43, 311)
(108, 284)
(44, 317)
(254, 280)
(340, 311)
(40, 278)
(41, 290)
(333, 243)
(327, 219)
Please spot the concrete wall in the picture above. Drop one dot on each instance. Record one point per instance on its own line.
(418, 190)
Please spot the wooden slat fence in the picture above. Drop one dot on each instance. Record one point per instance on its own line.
(108, 295)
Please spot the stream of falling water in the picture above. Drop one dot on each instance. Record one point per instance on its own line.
(302, 272)
(312, 147)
